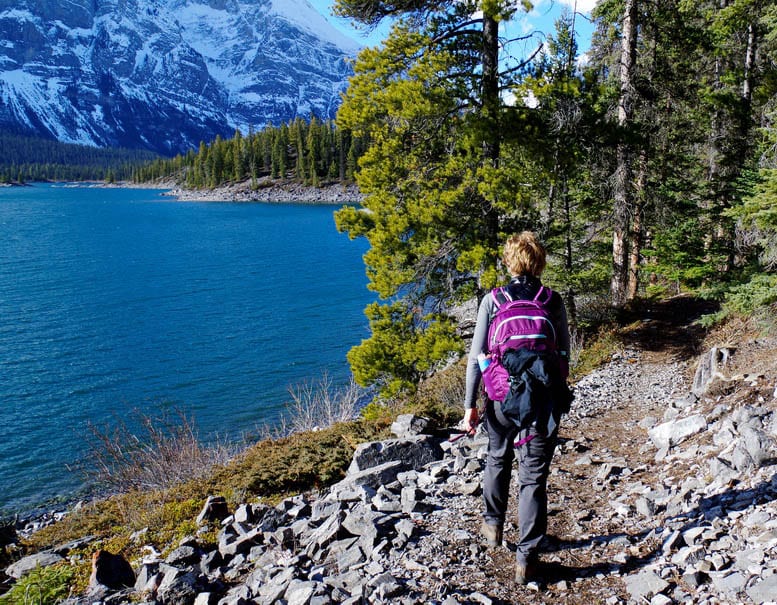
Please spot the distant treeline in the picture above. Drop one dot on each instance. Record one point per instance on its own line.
(24, 158)
(309, 151)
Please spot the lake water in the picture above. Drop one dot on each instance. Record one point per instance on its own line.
(119, 299)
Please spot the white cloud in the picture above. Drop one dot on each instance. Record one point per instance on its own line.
(583, 6)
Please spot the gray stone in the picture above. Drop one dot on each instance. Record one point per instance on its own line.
(729, 583)
(229, 546)
(370, 478)
(205, 598)
(763, 591)
(148, 578)
(177, 587)
(645, 507)
(408, 478)
(674, 432)
(64, 549)
(215, 509)
(404, 529)
(386, 502)
(350, 557)
(409, 425)
(183, 555)
(709, 368)
(752, 449)
(412, 500)
(275, 587)
(745, 559)
(211, 562)
(245, 514)
(322, 509)
(328, 532)
(692, 535)
(673, 541)
(412, 452)
(385, 586)
(645, 585)
(24, 566)
(694, 579)
(300, 592)
(239, 595)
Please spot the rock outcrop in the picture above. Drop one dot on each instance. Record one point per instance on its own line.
(657, 495)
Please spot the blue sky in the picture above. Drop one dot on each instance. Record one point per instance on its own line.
(540, 21)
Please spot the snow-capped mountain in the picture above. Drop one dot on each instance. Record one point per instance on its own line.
(164, 74)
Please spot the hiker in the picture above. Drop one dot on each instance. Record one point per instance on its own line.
(524, 257)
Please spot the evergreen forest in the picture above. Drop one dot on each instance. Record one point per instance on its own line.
(311, 152)
(649, 167)
(25, 158)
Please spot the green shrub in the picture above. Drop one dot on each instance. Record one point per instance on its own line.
(755, 298)
(42, 586)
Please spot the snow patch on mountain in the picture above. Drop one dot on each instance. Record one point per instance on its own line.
(165, 74)
(303, 14)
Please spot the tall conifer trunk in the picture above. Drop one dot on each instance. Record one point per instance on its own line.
(635, 244)
(623, 194)
(491, 108)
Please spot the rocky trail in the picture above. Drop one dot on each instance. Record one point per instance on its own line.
(663, 490)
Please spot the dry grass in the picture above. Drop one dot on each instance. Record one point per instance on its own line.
(320, 405)
(161, 452)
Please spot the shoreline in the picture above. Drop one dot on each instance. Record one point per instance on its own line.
(265, 190)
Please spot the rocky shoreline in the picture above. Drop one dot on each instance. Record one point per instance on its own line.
(663, 490)
(267, 190)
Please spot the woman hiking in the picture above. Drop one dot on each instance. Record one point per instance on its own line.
(524, 257)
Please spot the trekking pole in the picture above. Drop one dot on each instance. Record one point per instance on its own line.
(469, 432)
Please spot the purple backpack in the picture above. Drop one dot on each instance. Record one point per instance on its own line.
(517, 324)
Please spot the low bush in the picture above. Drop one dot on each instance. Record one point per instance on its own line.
(42, 586)
(159, 453)
(320, 405)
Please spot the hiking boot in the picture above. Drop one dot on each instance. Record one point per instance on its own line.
(492, 534)
(525, 572)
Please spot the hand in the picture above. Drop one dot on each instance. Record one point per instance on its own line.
(471, 420)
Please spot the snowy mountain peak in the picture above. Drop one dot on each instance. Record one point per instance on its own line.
(165, 74)
(302, 14)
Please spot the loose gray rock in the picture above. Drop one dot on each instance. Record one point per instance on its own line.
(675, 432)
(709, 367)
(215, 509)
(24, 566)
(413, 452)
(644, 585)
(409, 425)
(763, 591)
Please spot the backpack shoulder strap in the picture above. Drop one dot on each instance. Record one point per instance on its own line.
(543, 296)
(501, 296)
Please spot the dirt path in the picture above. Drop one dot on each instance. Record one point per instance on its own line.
(620, 509)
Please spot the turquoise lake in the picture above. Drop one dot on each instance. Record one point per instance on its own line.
(114, 300)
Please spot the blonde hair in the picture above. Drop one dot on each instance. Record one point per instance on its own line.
(524, 254)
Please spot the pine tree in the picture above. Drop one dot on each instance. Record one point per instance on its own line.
(439, 195)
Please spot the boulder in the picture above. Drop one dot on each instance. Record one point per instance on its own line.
(365, 482)
(111, 571)
(24, 566)
(764, 590)
(709, 368)
(215, 509)
(409, 425)
(412, 452)
(645, 585)
(674, 432)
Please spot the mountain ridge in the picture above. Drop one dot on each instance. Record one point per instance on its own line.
(164, 75)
